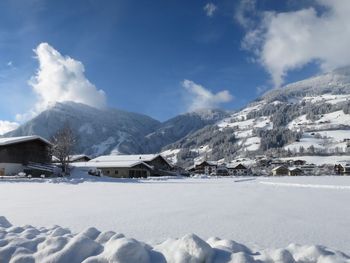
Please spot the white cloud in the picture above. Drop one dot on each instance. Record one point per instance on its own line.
(244, 12)
(210, 9)
(7, 126)
(290, 40)
(60, 78)
(200, 97)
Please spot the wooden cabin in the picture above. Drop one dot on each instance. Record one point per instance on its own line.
(16, 153)
(130, 166)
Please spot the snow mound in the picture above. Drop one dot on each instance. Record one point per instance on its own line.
(28, 244)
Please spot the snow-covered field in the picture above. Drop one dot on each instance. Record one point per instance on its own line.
(261, 213)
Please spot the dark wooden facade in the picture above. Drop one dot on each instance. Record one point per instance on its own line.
(24, 152)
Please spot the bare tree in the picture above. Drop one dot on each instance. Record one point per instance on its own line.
(64, 142)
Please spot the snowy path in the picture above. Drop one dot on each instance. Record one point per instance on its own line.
(250, 212)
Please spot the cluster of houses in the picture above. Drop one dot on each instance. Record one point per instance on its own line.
(214, 168)
(31, 155)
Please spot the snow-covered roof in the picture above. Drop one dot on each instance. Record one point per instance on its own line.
(209, 162)
(77, 157)
(13, 140)
(116, 164)
(127, 158)
(279, 167)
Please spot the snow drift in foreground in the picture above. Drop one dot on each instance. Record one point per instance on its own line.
(56, 244)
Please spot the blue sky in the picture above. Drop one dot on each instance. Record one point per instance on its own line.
(141, 52)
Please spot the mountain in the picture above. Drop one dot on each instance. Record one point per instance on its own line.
(111, 131)
(99, 131)
(181, 126)
(310, 116)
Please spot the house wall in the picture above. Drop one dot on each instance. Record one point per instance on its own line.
(10, 169)
(125, 172)
(24, 152)
(280, 172)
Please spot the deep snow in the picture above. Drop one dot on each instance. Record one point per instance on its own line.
(260, 213)
(28, 244)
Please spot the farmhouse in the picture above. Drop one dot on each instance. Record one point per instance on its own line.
(26, 152)
(239, 169)
(129, 166)
(204, 167)
(280, 170)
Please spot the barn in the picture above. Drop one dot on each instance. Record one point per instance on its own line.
(19, 153)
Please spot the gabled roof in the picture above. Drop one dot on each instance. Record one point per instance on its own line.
(14, 140)
(212, 163)
(237, 166)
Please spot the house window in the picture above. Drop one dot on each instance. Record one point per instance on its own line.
(116, 171)
(107, 171)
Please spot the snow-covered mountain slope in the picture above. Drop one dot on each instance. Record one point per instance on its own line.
(112, 131)
(309, 116)
(98, 131)
(181, 126)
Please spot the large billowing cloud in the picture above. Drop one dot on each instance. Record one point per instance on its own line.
(287, 41)
(200, 97)
(7, 126)
(58, 79)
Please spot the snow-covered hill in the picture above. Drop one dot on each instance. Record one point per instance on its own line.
(309, 116)
(112, 131)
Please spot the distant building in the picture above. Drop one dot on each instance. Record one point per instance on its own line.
(18, 153)
(130, 166)
(294, 171)
(238, 169)
(299, 162)
(342, 169)
(79, 158)
(280, 170)
(204, 167)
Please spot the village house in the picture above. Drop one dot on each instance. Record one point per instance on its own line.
(280, 170)
(204, 167)
(237, 169)
(342, 169)
(294, 171)
(30, 153)
(130, 166)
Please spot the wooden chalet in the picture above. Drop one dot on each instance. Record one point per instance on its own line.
(18, 153)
